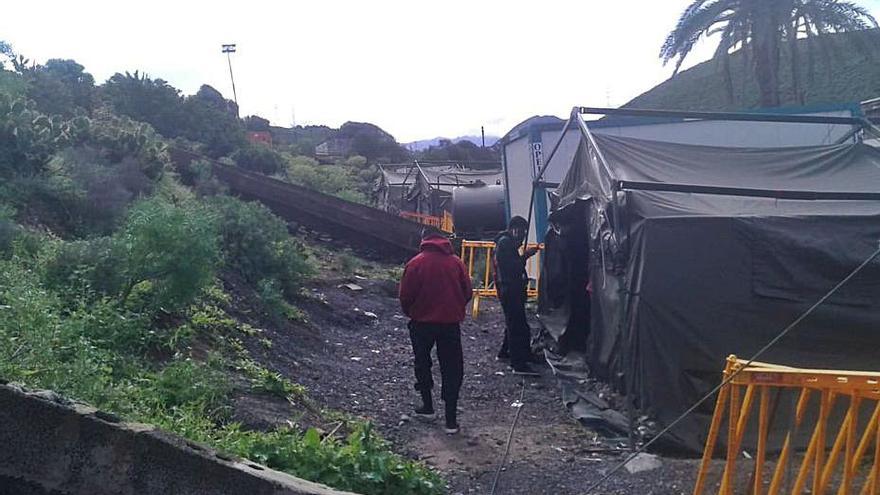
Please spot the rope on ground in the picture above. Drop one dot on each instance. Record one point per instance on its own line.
(727, 380)
(519, 407)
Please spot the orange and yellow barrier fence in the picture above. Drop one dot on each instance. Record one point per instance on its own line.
(443, 223)
(477, 257)
(850, 466)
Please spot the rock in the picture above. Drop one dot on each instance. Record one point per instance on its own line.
(643, 462)
(404, 418)
(50, 396)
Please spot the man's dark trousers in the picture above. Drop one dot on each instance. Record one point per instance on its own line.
(517, 335)
(447, 337)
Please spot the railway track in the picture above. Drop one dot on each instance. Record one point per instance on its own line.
(385, 235)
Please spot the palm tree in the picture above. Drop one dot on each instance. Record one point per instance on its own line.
(760, 29)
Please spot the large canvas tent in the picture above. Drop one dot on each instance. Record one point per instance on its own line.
(698, 252)
(523, 147)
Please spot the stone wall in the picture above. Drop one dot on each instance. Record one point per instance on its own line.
(49, 446)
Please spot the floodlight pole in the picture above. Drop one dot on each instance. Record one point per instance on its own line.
(229, 49)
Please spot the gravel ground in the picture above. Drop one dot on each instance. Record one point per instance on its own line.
(354, 355)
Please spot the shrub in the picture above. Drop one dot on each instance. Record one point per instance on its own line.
(9, 232)
(187, 383)
(357, 161)
(171, 250)
(82, 353)
(259, 158)
(94, 266)
(257, 245)
(336, 180)
(362, 462)
(29, 138)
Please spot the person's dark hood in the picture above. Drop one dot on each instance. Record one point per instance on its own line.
(437, 243)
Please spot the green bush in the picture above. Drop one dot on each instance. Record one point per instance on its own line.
(336, 180)
(84, 267)
(9, 231)
(170, 250)
(356, 161)
(256, 244)
(162, 258)
(259, 158)
(185, 382)
(29, 138)
(362, 462)
(86, 353)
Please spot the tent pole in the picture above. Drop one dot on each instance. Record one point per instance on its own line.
(729, 116)
(574, 115)
(622, 290)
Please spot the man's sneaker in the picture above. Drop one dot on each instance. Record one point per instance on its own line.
(425, 413)
(451, 429)
(524, 369)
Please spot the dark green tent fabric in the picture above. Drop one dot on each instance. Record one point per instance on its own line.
(701, 252)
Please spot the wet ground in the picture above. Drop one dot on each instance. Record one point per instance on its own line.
(354, 355)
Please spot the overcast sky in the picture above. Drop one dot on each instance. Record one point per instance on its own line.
(418, 69)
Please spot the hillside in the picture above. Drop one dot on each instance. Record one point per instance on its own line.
(141, 288)
(849, 74)
(424, 144)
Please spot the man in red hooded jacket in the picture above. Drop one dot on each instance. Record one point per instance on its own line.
(434, 292)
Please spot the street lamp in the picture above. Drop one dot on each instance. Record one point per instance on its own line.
(228, 49)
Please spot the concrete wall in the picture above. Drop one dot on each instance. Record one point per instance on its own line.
(51, 447)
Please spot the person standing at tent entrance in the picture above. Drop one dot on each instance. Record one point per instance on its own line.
(434, 292)
(511, 282)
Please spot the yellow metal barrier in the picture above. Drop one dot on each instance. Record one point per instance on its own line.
(859, 473)
(443, 223)
(477, 257)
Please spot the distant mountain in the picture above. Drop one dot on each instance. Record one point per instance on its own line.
(424, 144)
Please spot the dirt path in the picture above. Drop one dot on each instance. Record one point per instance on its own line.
(356, 357)
(369, 373)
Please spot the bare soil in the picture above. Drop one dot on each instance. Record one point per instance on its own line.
(354, 356)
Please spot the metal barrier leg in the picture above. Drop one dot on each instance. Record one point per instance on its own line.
(875, 485)
(824, 411)
(732, 422)
(782, 463)
(763, 426)
(712, 439)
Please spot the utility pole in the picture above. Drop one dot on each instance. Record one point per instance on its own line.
(483, 135)
(229, 49)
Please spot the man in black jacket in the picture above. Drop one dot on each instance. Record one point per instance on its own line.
(511, 281)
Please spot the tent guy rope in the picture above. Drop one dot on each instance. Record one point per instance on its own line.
(519, 407)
